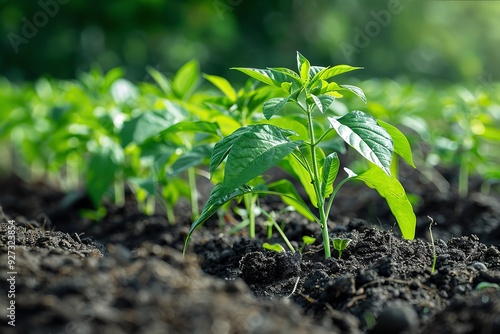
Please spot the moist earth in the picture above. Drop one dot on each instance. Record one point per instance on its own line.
(126, 273)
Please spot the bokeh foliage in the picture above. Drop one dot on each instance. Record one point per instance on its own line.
(437, 40)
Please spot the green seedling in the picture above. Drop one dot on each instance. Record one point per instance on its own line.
(294, 140)
(236, 109)
(434, 255)
(273, 247)
(306, 241)
(340, 244)
(273, 222)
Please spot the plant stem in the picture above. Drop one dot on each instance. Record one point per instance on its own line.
(119, 186)
(169, 209)
(280, 231)
(195, 210)
(316, 182)
(332, 196)
(463, 177)
(249, 206)
(434, 257)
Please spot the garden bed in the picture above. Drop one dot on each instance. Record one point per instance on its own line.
(126, 274)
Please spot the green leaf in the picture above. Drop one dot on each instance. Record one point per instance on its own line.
(224, 86)
(288, 72)
(303, 66)
(255, 98)
(323, 102)
(356, 90)
(290, 196)
(218, 197)
(103, 163)
(110, 77)
(222, 148)
(340, 244)
(362, 132)
(146, 183)
(192, 126)
(186, 79)
(268, 76)
(273, 247)
(394, 193)
(313, 70)
(144, 126)
(307, 240)
(401, 144)
(336, 70)
(227, 125)
(254, 152)
(329, 173)
(191, 159)
(273, 106)
(160, 80)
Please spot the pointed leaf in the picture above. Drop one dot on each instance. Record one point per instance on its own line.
(160, 79)
(356, 90)
(273, 247)
(313, 70)
(254, 152)
(394, 193)
(340, 244)
(273, 106)
(218, 197)
(186, 79)
(323, 102)
(288, 72)
(144, 126)
(303, 66)
(329, 173)
(337, 70)
(102, 166)
(192, 126)
(362, 132)
(401, 144)
(190, 159)
(222, 148)
(255, 98)
(268, 76)
(224, 86)
(327, 87)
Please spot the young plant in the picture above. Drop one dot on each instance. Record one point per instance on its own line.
(295, 143)
(306, 241)
(273, 247)
(237, 108)
(434, 255)
(340, 244)
(273, 222)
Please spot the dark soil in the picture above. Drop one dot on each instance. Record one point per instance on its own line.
(126, 274)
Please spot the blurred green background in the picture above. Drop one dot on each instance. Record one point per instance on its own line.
(451, 41)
